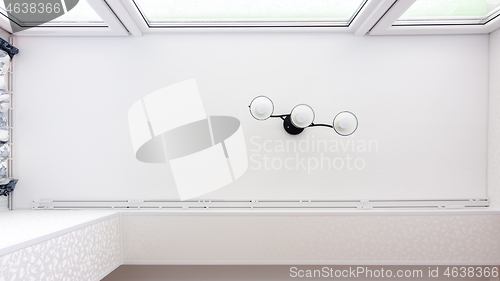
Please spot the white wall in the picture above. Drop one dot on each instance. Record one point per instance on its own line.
(494, 121)
(423, 99)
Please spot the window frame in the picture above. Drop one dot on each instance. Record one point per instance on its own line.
(375, 17)
(386, 25)
(248, 23)
(135, 17)
(113, 27)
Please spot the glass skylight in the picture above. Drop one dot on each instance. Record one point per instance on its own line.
(165, 13)
(447, 12)
(81, 15)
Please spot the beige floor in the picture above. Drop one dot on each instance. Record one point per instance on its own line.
(217, 272)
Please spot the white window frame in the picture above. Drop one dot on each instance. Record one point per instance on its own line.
(114, 26)
(131, 17)
(376, 17)
(385, 25)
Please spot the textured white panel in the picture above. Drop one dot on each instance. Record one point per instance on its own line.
(81, 255)
(237, 153)
(174, 106)
(138, 123)
(337, 238)
(201, 172)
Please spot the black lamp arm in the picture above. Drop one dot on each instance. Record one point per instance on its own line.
(322, 125)
(282, 116)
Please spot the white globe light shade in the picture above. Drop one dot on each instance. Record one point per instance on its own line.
(302, 116)
(345, 123)
(261, 108)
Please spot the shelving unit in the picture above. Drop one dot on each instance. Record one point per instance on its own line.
(10, 79)
(6, 201)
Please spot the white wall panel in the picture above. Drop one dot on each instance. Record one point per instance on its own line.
(494, 121)
(153, 238)
(421, 102)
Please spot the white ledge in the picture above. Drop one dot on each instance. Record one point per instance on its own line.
(24, 228)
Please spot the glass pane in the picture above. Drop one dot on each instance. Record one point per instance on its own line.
(248, 12)
(450, 12)
(81, 15)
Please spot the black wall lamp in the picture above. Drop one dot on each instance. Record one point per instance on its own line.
(345, 123)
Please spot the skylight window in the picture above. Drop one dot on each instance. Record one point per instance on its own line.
(192, 13)
(81, 15)
(450, 12)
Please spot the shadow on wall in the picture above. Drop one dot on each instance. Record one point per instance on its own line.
(180, 133)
